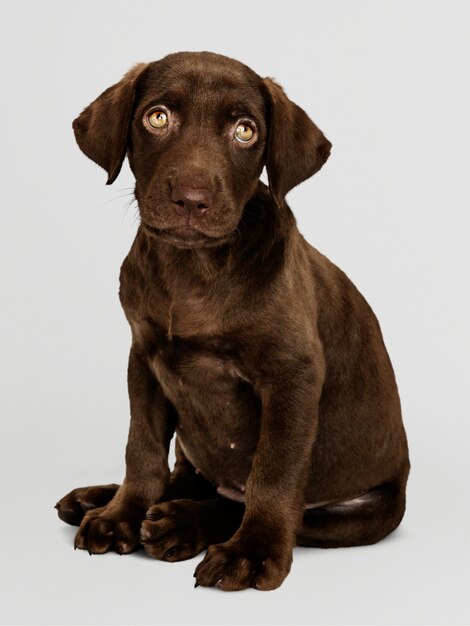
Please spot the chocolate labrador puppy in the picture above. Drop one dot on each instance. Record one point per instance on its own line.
(247, 342)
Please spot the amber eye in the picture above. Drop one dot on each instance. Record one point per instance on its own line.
(244, 132)
(157, 119)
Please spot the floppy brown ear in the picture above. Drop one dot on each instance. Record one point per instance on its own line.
(296, 146)
(101, 130)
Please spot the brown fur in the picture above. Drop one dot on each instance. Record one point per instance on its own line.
(250, 344)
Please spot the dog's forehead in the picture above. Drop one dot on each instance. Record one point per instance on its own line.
(206, 78)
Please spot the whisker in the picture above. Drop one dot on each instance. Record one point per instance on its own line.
(129, 204)
(125, 195)
(248, 211)
(136, 216)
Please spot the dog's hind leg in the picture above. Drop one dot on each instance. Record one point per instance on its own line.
(72, 507)
(181, 529)
(359, 521)
(186, 481)
(191, 516)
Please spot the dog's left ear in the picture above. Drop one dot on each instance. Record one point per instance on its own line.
(101, 130)
(296, 147)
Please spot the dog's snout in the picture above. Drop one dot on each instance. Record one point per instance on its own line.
(188, 200)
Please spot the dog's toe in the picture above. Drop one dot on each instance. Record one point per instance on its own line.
(235, 566)
(103, 530)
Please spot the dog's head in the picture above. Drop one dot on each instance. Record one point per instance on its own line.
(197, 129)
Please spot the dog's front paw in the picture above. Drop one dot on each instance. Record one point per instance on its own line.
(110, 528)
(239, 564)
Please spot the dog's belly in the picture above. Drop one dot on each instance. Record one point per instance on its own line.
(218, 415)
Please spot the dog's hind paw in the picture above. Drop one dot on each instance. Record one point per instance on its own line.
(72, 507)
(171, 531)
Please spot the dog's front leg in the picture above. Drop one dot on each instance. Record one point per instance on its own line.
(260, 553)
(117, 525)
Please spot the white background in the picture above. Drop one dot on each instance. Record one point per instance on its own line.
(389, 83)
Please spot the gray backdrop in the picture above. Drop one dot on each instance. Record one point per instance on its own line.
(389, 84)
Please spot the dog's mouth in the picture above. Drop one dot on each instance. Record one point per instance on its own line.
(187, 236)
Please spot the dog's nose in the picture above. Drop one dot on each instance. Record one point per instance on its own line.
(191, 200)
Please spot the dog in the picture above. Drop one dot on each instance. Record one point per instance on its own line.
(249, 344)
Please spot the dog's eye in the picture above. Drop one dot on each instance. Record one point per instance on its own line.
(157, 119)
(244, 132)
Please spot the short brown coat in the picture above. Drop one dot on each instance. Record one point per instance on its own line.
(256, 349)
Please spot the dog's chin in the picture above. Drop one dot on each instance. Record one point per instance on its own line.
(187, 236)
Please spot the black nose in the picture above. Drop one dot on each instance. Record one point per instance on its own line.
(189, 200)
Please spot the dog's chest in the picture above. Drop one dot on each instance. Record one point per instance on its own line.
(218, 411)
(197, 361)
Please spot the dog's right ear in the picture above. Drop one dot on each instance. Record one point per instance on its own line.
(101, 130)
